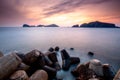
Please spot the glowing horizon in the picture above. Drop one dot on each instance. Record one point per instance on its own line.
(60, 12)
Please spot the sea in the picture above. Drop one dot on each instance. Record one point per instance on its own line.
(103, 42)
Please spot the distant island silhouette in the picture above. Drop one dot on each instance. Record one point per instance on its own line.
(96, 24)
(51, 25)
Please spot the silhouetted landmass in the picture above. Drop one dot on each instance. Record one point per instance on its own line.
(26, 25)
(75, 26)
(40, 25)
(51, 25)
(98, 24)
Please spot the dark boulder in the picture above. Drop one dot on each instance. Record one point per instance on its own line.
(74, 60)
(23, 66)
(66, 64)
(39, 75)
(65, 54)
(51, 72)
(32, 57)
(71, 48)
(90, 53)
(82, 72)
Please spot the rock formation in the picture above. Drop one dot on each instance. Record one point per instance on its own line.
(98, 24)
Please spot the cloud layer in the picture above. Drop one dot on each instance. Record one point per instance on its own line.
(62, 12)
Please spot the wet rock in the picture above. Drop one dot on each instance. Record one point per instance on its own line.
(66, 64)
(39, 63)
(50, 49)
(51, 72)
(82, 72)
(57, 48)
(57, 66)
(1, 54)
(71, 48)
(65, 54)
(96, 66)
(21, 55)
(52, 57)
(8, 64)
(39, 75)
(48, 61)
(108, 74)
(19, 75)
(90, 53)
(74, 60)
(32, 57)
(23, 66)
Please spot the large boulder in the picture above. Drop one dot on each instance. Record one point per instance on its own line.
(39, 75)
(96, 66)
(82, 72)
(51, 72)
(32, 57)
(8, 64)
(19, 75)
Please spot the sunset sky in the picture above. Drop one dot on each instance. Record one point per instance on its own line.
(62, 12)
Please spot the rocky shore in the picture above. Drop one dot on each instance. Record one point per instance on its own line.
(36, 65)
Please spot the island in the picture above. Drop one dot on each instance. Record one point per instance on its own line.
(40, 25)
(96, 24)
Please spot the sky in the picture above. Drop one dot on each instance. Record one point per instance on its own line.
(66, 13)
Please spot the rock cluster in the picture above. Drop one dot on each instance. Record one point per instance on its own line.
(34, 65)
(93, 70)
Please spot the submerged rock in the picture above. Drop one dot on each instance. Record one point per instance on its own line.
(74, 60)
(90, 53)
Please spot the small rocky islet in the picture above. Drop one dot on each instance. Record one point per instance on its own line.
(36, 65)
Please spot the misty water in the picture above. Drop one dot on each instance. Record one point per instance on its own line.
(104, 42)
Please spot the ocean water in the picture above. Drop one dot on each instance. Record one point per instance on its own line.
(104, 42)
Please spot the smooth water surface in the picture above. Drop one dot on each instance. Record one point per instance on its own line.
(104, 42)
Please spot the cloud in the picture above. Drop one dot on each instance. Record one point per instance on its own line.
(70, 5)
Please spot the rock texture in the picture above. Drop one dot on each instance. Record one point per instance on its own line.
(39, 75)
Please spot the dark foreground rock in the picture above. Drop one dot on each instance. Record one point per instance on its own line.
(8, 65)
(93, 70)
(19, 75)
(39, 75)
